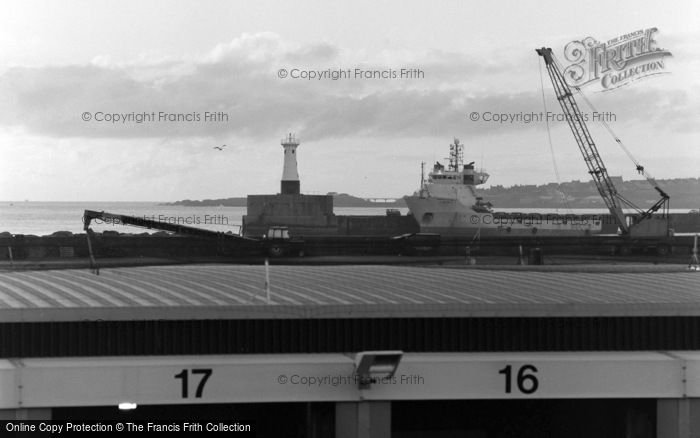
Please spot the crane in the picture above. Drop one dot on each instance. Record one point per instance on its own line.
(144, 222)
(641, 224)
(276, 243)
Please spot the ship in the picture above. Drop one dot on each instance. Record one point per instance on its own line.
(447, 203)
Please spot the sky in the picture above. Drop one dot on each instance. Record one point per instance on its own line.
(76, 76)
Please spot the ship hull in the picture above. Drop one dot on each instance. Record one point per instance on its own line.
(449, 217)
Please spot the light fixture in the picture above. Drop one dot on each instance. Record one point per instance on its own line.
(373, 365)
(127, 406)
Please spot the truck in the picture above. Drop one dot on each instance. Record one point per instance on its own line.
(278, 242)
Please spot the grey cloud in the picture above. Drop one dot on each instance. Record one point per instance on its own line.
(241, 80)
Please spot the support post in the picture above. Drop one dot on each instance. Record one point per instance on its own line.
(678, 418)
(694, 264)
(19, 414)
(365, 419)
(521, 259)
(267, 281)
(93, 264)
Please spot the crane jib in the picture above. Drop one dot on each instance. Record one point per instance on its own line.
(613, 200)
(588, 149)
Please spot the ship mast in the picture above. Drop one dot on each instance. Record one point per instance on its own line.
(456, 157)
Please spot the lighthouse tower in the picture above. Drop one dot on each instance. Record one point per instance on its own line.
(290, 176)
(301, 214)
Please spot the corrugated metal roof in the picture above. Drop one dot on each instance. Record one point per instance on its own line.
(235, 291)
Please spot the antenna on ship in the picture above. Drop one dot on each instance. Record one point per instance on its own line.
(456, 155)
(422, 177)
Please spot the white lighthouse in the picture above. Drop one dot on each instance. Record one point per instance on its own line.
(290, 176)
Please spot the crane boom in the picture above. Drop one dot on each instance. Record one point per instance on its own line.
(184, 230)
(613, 200)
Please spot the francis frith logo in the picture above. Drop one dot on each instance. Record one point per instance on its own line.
(616, 62)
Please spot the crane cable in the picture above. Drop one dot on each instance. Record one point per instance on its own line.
(639, 167)
(551, 146)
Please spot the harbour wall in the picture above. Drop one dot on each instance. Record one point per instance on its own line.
(338, 235)
(192, 248)
(312, 215)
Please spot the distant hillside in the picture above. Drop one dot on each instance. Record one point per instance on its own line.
(339, 200)
(226, 202)
(684, 192)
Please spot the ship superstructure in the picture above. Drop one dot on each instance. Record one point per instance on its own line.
(448, 203)
(455, 181)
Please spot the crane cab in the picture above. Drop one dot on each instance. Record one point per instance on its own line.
(277, 233)
(278, 242)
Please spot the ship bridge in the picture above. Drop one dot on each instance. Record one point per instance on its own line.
(456, 171)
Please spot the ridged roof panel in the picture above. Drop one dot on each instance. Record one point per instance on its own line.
(346, 291)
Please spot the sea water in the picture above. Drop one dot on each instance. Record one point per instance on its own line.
(44, 218)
